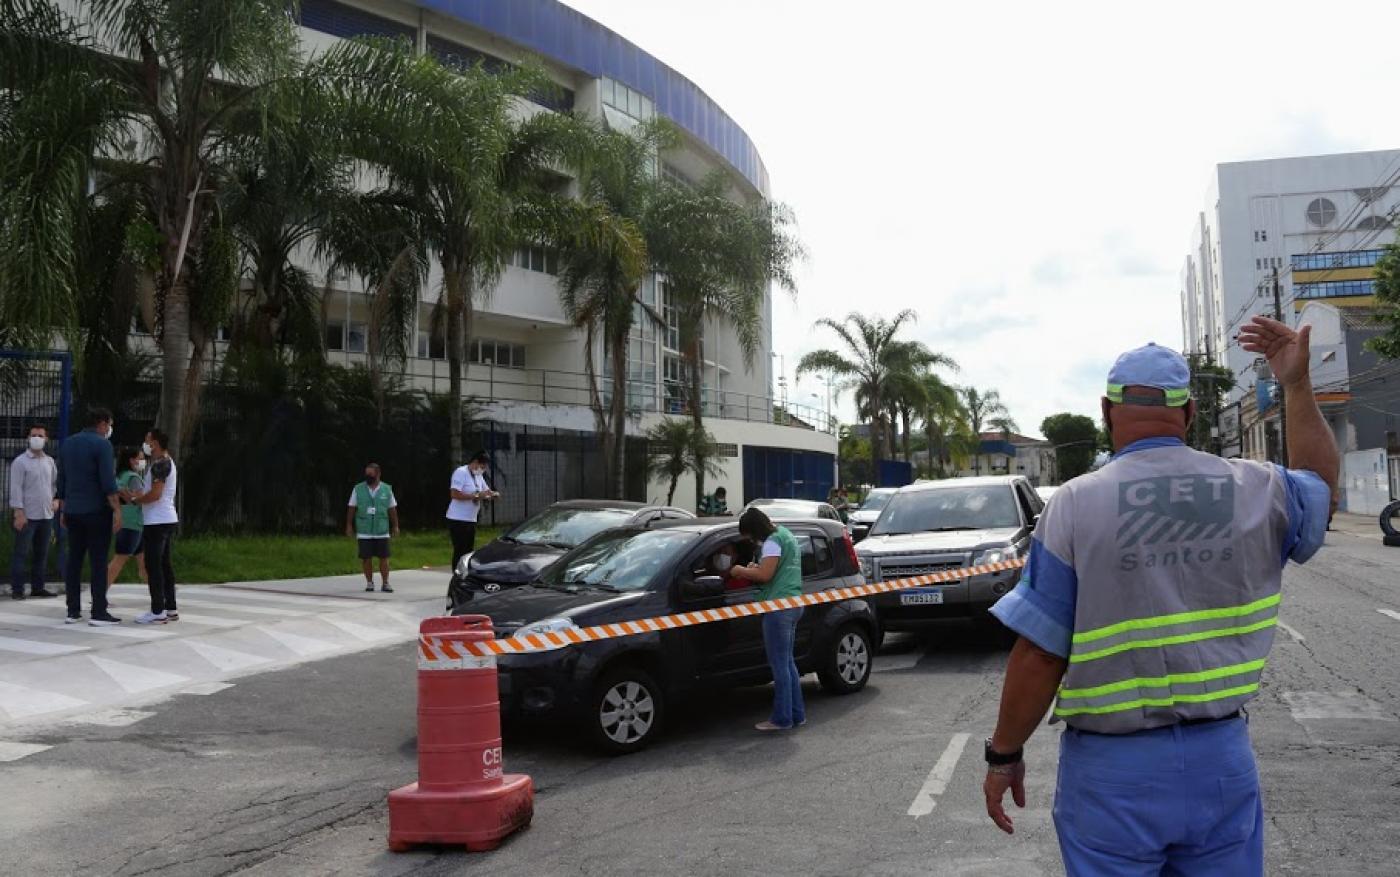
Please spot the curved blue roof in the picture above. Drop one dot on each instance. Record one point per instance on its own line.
(567, 36)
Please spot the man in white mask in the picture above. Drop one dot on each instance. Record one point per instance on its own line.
(33, 482)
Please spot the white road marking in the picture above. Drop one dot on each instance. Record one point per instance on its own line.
(302, 645)
(83, 628)
(210, 620)
(346, 602)
(361, 631)
(34, 647)
(207, 687)
(134, 679)
(938, 778)
(21, 702)
(15, 751)
(226, 660)
(1297, 637)
(1325, 705)
(117, 718)
(235, 606)
(1391, 613)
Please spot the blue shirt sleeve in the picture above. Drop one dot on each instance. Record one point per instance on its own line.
(107, 470)
(1309, 508)
(1041, 608)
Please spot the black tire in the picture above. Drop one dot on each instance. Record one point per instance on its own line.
(1387, 515)
(850, 658)
(626, 711)
(1392, 541)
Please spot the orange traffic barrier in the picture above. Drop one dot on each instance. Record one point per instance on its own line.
(463, 795)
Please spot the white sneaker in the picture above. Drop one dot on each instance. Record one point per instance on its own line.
(151, 618)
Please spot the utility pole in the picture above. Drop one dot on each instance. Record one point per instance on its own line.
(1282, 409)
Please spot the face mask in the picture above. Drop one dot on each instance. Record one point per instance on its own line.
(146, 448)
(371, 479)
(111, 428)
(140, 465)
(723, 562)
(36, 442)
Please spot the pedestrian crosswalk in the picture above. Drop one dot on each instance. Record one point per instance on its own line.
(60, 672)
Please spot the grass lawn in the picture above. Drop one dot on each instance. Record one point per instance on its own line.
(217, 559)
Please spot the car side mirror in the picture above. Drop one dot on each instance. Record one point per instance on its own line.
(702, 588)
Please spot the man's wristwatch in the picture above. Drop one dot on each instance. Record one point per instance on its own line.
(995, 758)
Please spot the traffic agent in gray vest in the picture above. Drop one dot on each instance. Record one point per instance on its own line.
(1158, 578)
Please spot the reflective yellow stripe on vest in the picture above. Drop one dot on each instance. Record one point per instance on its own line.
(1148, 683)
(1198, 619)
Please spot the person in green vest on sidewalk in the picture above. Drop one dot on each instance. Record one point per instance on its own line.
(372, 517)
(778, 573)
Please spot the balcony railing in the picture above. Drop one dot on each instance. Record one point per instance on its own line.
(490, 383)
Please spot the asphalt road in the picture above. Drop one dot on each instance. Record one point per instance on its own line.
(287, 773)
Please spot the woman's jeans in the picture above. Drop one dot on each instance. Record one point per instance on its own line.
(779, 631)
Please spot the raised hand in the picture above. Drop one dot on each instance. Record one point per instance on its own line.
(1285, 349)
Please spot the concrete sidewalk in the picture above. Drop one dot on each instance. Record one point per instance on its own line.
(61, 672)
(1361, 526)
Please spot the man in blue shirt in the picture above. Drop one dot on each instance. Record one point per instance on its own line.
(1146, 614)
(87, 496)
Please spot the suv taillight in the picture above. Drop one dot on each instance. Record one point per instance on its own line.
(851, 553)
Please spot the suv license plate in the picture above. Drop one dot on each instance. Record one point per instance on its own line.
(924, 598)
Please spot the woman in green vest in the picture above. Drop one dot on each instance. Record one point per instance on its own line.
(778, 573)
(130, 464)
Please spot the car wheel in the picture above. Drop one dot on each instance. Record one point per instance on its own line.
(627, 710)
(850, 661)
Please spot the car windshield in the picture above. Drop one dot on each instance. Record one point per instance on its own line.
(949, 508)
(782, 509)
(877, 500)
(626, 560)
(567, 527)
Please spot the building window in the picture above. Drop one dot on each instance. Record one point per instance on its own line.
(432, 345)
(501, 353)
(1321, 212)
(1373, 223)
(1349, 259)
(628, 101)
(672, 319)
(357, 339)
(541, 259)
(1335, 288)
(335, 336)
(342, 20)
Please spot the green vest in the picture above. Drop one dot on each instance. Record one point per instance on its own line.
(787, 582)
(372, 510)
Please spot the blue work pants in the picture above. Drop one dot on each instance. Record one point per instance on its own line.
(31, 555)
(1181, 800)
(779, 635)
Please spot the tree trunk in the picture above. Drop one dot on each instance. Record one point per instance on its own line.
(904, 425)
(618, 354)
(194, 383)
(697, 412)
(175, 364)
(458, 322)
(877, 434)
(671, 494)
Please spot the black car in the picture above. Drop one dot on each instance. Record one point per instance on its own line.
(620, 688)
(519, 555)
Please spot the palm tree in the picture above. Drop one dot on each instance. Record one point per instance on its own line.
(675, 447)
(945, 424)
(446, 141)
(719, 257)
(158, 107)
(603, 264)
(985, 408)
(873, 355)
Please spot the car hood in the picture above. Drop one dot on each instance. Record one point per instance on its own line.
(511, 563)
(958, 540)
(510, 610)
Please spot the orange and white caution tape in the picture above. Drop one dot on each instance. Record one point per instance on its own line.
(439, 654)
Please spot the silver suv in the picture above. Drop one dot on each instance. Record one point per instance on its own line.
(941, 525)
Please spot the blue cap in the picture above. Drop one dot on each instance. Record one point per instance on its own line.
(1151, 366)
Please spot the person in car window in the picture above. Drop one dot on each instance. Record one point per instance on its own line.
(723, 563)
(778, 573)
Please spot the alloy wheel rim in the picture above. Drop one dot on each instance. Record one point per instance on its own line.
(852, 658)
(627, 713)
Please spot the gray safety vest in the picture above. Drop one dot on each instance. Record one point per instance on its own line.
(1179, 561)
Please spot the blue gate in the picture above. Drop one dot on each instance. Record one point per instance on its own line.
(781, 473)
(894, 473)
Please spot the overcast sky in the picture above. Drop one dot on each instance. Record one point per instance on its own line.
(1023, 175)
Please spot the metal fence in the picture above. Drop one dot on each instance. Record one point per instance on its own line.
(34, 388)
(533, 466)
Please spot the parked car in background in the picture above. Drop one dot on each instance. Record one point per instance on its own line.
(797, 509)
(868, 512)
(519, 555)
(943, 525)
(621, 689)
(1046, 491)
